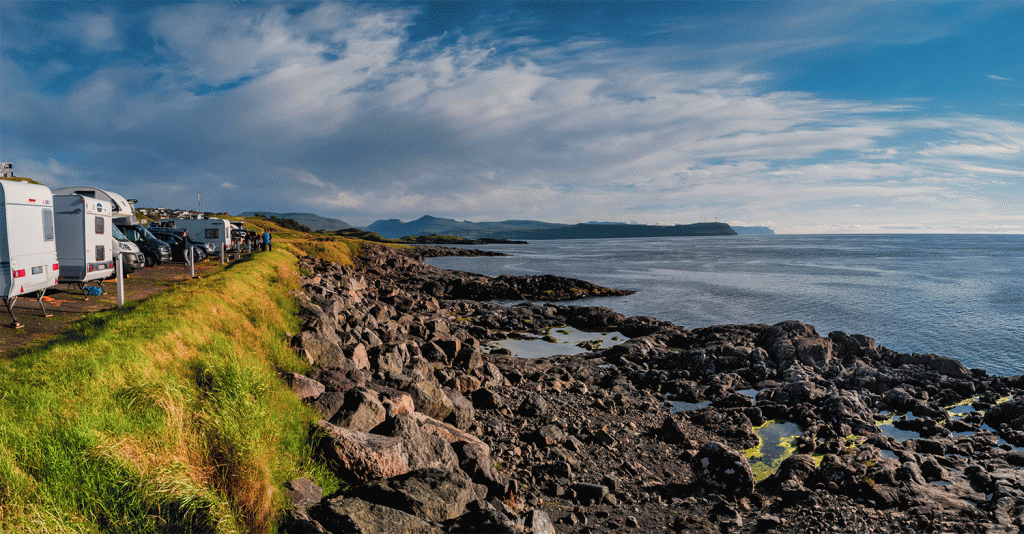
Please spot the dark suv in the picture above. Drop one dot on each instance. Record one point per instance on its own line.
(174, 238)
(155, 250)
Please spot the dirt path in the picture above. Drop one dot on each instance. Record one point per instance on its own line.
(67, 304)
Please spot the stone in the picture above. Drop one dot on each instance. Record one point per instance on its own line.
(533, 405)
(299, 522)
(328, 404)
(797, 468)
(488, 399)
(548, 435)
(358, 356)
(1010, 413)
(424, 449)
(302, 493)
(487, 521)
(475, 460)
(591, 493)
(537, 521)
(304, 387)
(362, 411)
(365, 457)
(463, 413)
(340, 379)
(432, 494)
(430, 399)
(723, 470)
(353, 515)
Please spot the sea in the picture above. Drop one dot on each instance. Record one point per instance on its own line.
(960, 296)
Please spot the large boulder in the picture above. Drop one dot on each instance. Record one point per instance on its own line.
(304, 387)
(361, 411)
(425, 449)
(463, 413)
(487, 520)
(353, 515)
(1010, 413)
(723, 470)
(432, 494)
(430, 399)
(364, 457)
(940, 364)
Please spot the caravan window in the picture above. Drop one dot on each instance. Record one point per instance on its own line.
(100, 253)
(213, 233)
(99, 225)
(47, 224)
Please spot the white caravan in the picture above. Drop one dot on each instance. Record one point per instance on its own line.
(28, 248)
(212, 233)
(84, 239)
(121, 208)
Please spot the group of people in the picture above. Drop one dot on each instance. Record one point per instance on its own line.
(259, 241)
(253, 241)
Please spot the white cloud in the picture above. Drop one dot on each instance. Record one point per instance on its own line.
(974, 149)
(50, 173)
(337, 103)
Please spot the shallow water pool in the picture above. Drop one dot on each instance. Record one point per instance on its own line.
(566, 342)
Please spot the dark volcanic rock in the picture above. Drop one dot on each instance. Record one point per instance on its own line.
(586, 442)
(723, 470)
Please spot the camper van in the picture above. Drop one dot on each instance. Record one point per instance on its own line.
(132, 257)
(28, 247)
(121, 209)
(84, 239)
(212, 233)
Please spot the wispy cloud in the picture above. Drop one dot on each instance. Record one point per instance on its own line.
(337, 106)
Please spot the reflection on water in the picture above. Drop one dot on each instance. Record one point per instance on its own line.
(953, 295)
(561, 341)
(680, 406)
(778, 442)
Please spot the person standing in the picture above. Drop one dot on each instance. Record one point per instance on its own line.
(266, 241)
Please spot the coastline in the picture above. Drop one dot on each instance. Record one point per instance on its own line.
(411, 398)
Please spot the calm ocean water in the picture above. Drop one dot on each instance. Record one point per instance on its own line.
(955, 295)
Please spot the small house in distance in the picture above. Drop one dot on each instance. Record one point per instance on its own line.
(6, 170)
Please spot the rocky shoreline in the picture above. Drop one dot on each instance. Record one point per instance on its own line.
(438, 433)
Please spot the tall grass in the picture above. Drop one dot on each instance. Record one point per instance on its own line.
(165, 416)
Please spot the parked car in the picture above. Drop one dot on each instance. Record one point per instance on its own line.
(132, 258)
(214, 234)
(155, 250)
(179, 244)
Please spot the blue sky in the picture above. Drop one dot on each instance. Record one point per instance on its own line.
(809, 117)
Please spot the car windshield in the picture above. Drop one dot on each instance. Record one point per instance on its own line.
(117, 234)
(149, 234)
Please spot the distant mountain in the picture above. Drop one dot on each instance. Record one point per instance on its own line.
(428, 225)
(605, 231)
(753, 230)
(314, 222)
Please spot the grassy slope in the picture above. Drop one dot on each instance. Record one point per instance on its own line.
(167, 415)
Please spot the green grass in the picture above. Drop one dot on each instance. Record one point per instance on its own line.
(166, 416)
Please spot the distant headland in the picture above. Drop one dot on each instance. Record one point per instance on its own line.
(540, 230)
(452, 231)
